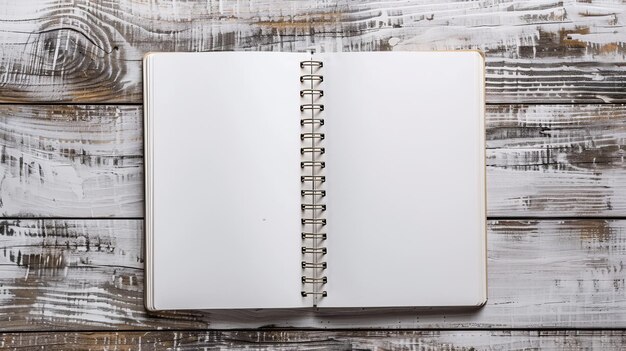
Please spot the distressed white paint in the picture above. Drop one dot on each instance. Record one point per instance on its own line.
(537, 50)
(542, 160)
(71, 161)
(541, 273)
(323, 340)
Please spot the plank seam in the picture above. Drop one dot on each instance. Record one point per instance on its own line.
(489, 218)
(123, 103)
(286, 329)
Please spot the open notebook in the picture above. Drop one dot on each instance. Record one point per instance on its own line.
(282, 180)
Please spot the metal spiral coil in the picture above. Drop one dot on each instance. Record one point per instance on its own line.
(317, 92)
(321, 236)
(307, 293)
(312, 164)
(311, 78)
(311, 63)
(318, 107)
(319, 136)
(322, 265)
(307, 280)
(321, 193)
(304, 121)
(312, 179)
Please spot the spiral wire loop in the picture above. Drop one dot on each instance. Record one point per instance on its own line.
(312, 178)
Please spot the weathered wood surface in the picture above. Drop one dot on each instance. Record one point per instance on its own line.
(88, 274)
(71, 161)
(86, 161)
(316, 340)
(90, 51)
(556, 160)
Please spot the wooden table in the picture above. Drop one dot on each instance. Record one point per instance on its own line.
(71, 261)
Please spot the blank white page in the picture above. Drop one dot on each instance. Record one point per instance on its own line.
(405, 179)
(223, 165)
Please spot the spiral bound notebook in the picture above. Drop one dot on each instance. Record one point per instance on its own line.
(284, 180)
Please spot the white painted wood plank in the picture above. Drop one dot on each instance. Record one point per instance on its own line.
(556, 160)
(537, 51)
(321, 340)
(86, 274)
(71, 161)
(86, 161)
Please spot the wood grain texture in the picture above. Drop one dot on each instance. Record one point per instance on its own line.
(556, 160)
(72, 161)
(63, 273)
(90, 51)
(315, 340)
(86, 160)
(88, 274)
